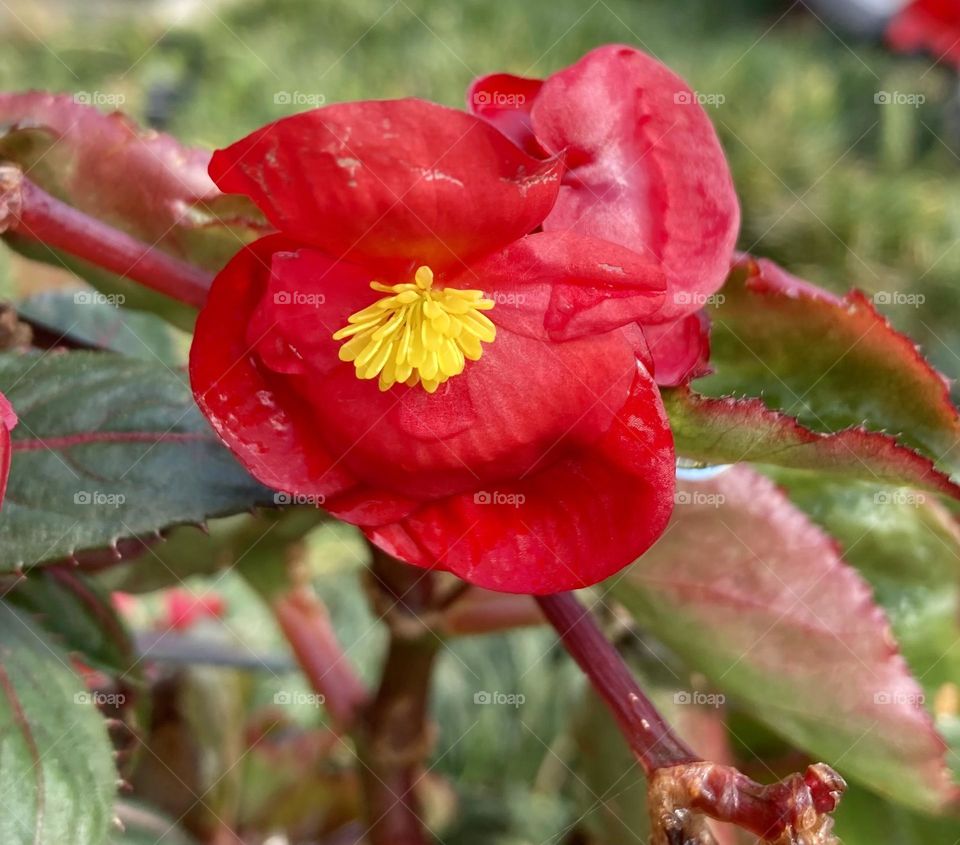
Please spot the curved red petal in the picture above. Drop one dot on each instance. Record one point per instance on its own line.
(645, 168)
(394, 179)
(505, 101)
(930, 25)
(680, 350)
(561, 285)
(8, 420)
(265, 425)
(571, 525)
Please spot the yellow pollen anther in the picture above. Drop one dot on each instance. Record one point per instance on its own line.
(417, 334)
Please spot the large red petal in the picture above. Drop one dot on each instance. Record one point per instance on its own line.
(267, 427)
(560, 285)
(395, 179)
(570, 525)
(645, 168)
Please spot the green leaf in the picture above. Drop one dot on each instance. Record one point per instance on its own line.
(87, 318)
(79, 614)
(908, 546)
(721, 431)
(830, 363)
(57, 776)
(142, 826)
(756, 597)
(108, 447)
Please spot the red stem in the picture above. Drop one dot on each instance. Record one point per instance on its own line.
(306, 625)
(32, 213)
(649, 736)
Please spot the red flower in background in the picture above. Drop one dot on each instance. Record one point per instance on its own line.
(8, 420)
(929, 25)
(443, 344)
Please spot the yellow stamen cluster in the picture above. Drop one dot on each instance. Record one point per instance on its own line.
(418, 334)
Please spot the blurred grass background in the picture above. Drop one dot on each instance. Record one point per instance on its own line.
(835, 186)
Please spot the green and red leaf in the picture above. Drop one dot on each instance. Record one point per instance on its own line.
(752, 594)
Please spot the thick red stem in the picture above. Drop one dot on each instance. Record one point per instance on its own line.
(649, 736)
(32, 213)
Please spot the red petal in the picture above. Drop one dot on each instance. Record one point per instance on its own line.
(568, 526)
(524, 398)
(681, 350)
(645, 168)
(931, 25)
(8, 420)
(396, 179)
(505, 101)
(266, 426)
(559, 285)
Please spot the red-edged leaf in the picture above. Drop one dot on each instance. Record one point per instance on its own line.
(748, 591)
(832, 363)
(143, 182)
(728, 430)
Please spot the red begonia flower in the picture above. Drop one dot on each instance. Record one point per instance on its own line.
(183, 609)
(421, 352)
(644, 169)
(929, 25)
(8, 420)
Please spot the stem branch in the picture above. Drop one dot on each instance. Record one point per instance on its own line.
(32, 213)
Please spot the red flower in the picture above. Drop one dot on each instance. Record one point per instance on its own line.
(438, 348)
(929, 25)
(184, 609)
(8, 420)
